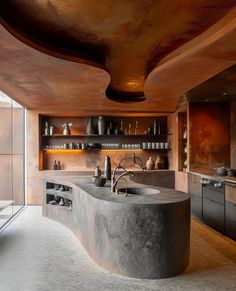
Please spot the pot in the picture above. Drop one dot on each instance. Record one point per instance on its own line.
(231, 172)
(221, 171)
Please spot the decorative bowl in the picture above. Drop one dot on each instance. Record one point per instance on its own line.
(100, 181)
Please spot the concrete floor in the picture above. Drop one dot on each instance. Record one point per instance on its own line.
(38, 254)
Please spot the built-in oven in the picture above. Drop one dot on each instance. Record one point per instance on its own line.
(213, 194)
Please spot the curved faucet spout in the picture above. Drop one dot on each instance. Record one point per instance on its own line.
(126, 173)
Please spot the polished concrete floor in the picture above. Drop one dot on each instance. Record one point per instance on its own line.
(38, 254)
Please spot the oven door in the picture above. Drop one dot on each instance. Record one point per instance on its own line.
(213, 206)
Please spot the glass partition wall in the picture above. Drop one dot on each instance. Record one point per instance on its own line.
(12, 178)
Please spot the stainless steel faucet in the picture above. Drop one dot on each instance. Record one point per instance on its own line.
(120, 177)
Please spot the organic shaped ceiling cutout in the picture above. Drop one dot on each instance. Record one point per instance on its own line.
(126, 38)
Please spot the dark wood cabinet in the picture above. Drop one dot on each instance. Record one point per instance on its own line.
(230, 210)
(195, 192)
(213, 214)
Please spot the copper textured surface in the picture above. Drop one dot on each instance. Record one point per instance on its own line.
(209, 135)
(128, 39)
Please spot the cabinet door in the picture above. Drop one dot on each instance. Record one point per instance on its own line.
(230, 220)
(213, 214)
(195, 191)
(230, 211)
(196, 205)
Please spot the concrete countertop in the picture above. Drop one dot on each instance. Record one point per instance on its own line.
(165, 196)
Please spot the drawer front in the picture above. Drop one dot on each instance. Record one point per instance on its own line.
(212, 194)
(213, 214)
(194, 184)
(230, 219)
(196, 205)
(230, 194)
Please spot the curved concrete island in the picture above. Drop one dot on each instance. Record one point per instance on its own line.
(141, 236)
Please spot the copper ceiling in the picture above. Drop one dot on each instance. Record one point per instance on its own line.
(129, 39)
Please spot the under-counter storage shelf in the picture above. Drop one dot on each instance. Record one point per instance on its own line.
(63, 194)
(59, 195)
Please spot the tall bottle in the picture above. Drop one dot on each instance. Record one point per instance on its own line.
(107, 168)
(47, 129)
(136, 131)
(154, 127)
(121, 127)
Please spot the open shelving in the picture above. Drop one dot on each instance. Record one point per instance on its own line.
(58, 146)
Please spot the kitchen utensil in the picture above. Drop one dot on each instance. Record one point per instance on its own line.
(221, 171)
(231, 172)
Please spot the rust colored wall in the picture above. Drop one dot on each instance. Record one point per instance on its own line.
(209, 135)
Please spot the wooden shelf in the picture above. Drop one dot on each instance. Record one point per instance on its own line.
(106, 135)
(107, 149)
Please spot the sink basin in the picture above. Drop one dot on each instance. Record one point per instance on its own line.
(139, 191)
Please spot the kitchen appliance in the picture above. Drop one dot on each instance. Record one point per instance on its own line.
(221, 171)
(213, 194)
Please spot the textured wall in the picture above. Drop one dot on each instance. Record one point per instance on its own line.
(209, 135)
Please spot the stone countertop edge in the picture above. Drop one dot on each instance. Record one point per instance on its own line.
(214, 176)
(166, 195)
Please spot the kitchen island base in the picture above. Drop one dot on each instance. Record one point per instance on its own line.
(136, 236)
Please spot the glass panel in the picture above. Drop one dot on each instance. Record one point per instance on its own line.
(5, 125)
(11, 158)
(18, 155)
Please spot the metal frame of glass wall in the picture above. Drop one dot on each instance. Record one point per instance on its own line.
(12, 159)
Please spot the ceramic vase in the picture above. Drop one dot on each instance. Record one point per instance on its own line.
(150, 164)
(101, 125)
(159, 163)
(90, 128)
(107, 168)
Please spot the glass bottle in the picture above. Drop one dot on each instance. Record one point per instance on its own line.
(59, 165)
(47, 128)
(55, 165)
(155, 127)
(136, 132)
(129, 129)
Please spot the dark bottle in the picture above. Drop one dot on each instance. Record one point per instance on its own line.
(59, 165)
(107, 168)
(55, 165)
(155, 127)
(158, 129)
(110, 127)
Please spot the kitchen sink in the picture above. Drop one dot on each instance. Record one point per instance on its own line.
(139, 191)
